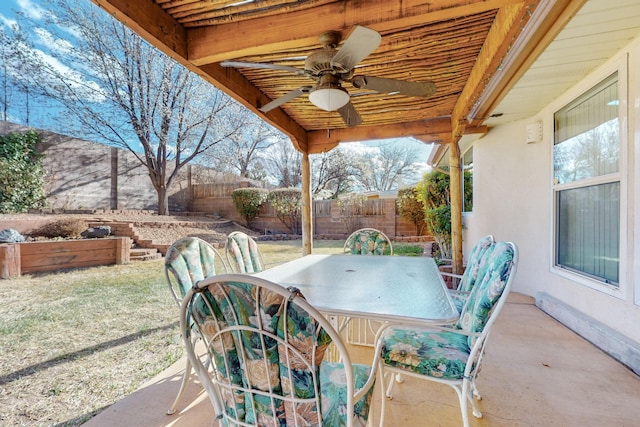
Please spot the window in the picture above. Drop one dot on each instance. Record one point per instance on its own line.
(586, 159)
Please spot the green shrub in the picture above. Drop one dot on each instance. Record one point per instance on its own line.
(21, 173)
(433, 192)
(248, 201)
(287, 202)
(411, 208)
(68, 228)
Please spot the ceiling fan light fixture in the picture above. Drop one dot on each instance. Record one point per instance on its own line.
(329, 98)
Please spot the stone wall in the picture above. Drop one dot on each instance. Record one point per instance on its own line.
(85, 175)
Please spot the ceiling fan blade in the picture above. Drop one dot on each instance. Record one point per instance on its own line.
(266, 66)
(284, 98)
(349, 115)
(402, 87)
(361, 43)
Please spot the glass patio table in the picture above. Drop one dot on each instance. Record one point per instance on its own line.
(394, 289)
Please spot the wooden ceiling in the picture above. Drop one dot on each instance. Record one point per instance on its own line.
(473, 50)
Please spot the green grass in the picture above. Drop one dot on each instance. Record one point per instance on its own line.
(74, 342)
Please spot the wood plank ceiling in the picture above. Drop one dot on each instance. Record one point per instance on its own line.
(473, 50)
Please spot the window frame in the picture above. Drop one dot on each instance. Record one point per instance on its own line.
(620, 289)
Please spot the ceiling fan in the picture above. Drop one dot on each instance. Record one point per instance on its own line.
(329, 67)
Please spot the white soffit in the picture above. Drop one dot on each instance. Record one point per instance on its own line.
(599, 30)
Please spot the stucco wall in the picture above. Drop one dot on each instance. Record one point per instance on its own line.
(513, 200)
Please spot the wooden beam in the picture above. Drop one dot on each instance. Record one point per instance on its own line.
(549, 18)
(150, 22)
(507, 25)
(319, 141)
(299, 29)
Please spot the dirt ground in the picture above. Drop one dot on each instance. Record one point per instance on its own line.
(159, 228)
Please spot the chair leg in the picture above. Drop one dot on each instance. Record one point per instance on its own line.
(476, 392)
(473, 396)
(395, 378)
(185, 379)
(383, 397)
(465, 395)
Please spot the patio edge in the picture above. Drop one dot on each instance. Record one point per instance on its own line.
(616, 345)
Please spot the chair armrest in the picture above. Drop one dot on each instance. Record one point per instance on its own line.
(457, 276)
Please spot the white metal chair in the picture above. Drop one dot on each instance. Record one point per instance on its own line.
(473, 269)
(187, 261)
(267, 345)
(242, 253)
(452, 355)
(368, 241)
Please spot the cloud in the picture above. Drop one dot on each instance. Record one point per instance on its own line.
(31, 10)
(7, 22)
(51, 43)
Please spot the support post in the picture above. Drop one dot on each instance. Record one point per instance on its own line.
(307, 223)
(455, 188)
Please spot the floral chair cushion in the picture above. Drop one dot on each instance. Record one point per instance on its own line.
(256, 359)
(190, 260)
(439, 354)
(478, 254)
(367, 242)
(459, 299)
(488, 288)
(244, 252)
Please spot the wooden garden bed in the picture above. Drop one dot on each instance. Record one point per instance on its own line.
(45, 256)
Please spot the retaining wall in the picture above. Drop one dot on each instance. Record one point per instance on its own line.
(39, 257)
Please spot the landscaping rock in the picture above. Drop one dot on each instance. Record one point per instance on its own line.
(9, 235)
(99, 231)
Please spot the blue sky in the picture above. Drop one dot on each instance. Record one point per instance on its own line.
(38, 9)
(32, 8)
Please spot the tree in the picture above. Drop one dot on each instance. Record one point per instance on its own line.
(284, 164)
(381, 171)
(242, 152)
(113, 87)
(332, 174)
(21, 173)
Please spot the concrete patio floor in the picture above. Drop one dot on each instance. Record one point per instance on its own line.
(536, 372)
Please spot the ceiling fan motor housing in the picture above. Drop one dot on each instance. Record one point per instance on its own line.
(319, 62)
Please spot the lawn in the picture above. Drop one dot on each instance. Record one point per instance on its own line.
(73, 343)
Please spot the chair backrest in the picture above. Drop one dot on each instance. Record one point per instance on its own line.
(243, 254)
(368, 241)
(266, 345)
(478, 254)
(490, 291)
(188, 260)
